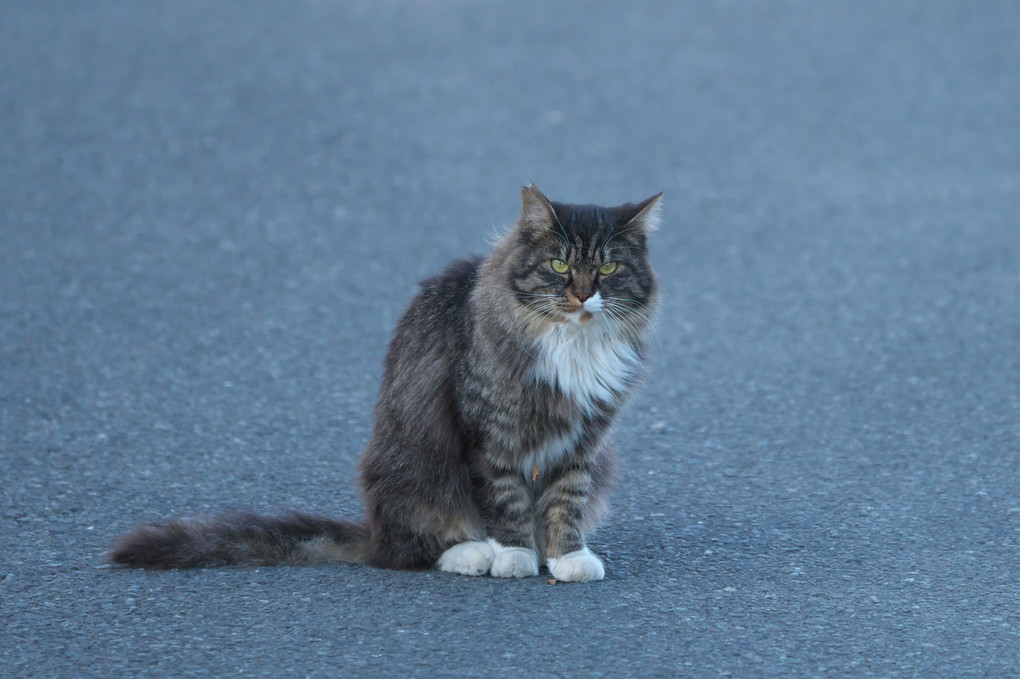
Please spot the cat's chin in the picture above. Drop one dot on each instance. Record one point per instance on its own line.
(579, 316)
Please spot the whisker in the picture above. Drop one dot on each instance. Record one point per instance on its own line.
(613, 316)
(632, 330)
(631, 307)
(610, 316)
(623, 303)
(635, 311)
(618, 233)
(622, 314)
(531, 294)
(623, 300)
(619, 327)
(635, 319)
(566, 240)
(546, 310)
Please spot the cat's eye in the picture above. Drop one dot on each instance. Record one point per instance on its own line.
(559, 266)
(607, 268)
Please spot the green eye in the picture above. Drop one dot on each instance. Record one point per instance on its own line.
(607, 268)
(559, 266)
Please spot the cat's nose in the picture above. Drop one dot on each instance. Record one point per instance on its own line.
(583, 296)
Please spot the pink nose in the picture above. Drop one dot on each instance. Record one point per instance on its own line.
(583, 296)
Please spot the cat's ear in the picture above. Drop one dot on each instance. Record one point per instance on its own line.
(646, 215)
(536, 210)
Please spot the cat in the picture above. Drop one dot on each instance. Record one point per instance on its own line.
(489, 449)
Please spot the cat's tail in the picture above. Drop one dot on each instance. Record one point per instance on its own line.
(242, 539)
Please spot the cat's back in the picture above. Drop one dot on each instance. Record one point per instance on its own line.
(416, 445)
(444, 298)
(435, 325)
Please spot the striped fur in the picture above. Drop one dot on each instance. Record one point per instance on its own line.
(489, 452)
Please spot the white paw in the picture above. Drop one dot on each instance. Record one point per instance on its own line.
(513, 562)
(467, 558)
(579, 566)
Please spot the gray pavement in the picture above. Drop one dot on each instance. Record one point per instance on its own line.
(211, 215)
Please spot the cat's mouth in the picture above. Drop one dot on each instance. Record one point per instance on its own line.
(583, 311)
(579, 314)
(566, 309)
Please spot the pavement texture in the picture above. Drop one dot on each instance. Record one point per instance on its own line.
(211, 215)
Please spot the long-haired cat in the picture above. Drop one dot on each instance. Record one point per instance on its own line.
(489, 451)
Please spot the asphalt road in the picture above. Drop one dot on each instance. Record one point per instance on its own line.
(211, 215)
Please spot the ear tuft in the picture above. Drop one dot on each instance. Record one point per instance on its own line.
(646, 215)
(536, 210)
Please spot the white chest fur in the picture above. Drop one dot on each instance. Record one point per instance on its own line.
(552, 450)
(587, 363)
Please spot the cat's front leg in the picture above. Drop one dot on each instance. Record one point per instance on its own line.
(508, 509)
(565, 504)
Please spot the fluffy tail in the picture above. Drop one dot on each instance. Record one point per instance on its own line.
(242, 539)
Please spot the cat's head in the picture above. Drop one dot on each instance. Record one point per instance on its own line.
(583, 263)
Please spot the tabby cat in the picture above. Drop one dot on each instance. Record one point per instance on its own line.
(489, 451)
